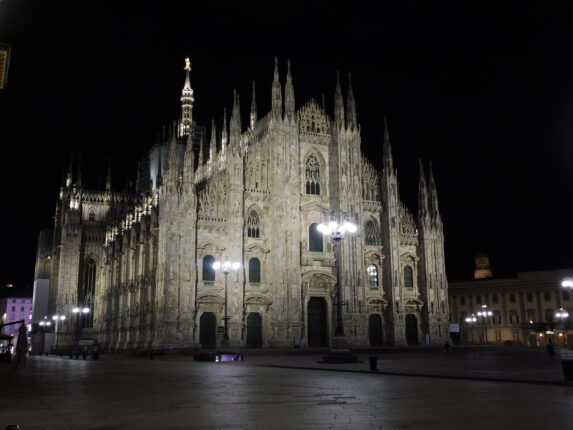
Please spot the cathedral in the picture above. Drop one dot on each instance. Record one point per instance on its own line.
(135, 269)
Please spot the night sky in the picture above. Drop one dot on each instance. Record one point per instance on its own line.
(485, 93)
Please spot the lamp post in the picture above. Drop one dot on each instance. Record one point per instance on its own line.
(226, 266)
(79, 311)
(471, 319)
(484, 313)
(44, 325)
(336, 231)
(562, 314)
(567, 283)
(57, 318)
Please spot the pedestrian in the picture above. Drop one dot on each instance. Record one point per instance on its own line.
(447, 347)
(551, 349)
(21, 348)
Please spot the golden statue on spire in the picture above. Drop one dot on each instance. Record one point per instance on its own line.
(187, 64)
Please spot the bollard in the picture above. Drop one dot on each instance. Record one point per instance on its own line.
(567, 366)
(374, 363)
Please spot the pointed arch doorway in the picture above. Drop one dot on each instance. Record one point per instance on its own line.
(254, 330)
(317, 322)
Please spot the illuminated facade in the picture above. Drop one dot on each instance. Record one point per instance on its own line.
(142, 261)
(523, 309)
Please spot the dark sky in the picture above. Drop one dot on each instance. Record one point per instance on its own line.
(486, 93)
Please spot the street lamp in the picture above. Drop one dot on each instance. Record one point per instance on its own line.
(226, 266)
(336, 231)
(471, 319)
(44, 325)
(57, 318)
(562, 314)
(485, 313)
(567, 283)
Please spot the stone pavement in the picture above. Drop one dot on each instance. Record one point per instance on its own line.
(174, 392)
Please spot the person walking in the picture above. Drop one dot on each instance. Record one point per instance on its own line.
(447, 347)
(551, 349)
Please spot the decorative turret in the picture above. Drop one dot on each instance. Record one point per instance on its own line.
(186, 102)
(224, 133)
(338, 104)
(253, 115)
(277, 100)
(350, 107)
(289, 96)
(138, 187)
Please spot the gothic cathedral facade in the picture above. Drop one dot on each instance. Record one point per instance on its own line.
(140, 262)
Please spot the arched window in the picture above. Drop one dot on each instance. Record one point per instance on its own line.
(314, 238)
(208, 271)
(253, 224)
(496, 317)
(513, 317)
(531, 315)
(549, 315)
(312, 175)
(254, 270)
(371, 234)
(408, 277)
(372, 275)
(91, 215)
(87, 296)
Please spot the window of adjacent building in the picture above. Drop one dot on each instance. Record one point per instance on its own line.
(315, 238)
(463, 316)
(22, 308)
(462, 300)
(514, 317)
(494, 298)
(312, 175)
(547, 295)
(529, 297)
(254, 270)
(478, 300)
(208, 271)
(531, 315)
(512, 298)
(371, 234)
(253, 224)
(549, 315)
(408, 277)
(496, 317)
(565, 295)
(372, 275)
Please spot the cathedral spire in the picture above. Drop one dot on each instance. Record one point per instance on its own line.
(253, 116)
(201, 156)
(189, 161)
(338, 103)
(433, 198)
(69, 178)
(422, 194)
(350, 106)
(235, 126)
(108, 178)
(138, 178)
(388, 162)
(277, 101)
(289, 95)
(186, 102)
(213, 143)
(224, 133)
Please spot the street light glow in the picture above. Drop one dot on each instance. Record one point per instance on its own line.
(75, 310)
(85, 310)
(567, 283)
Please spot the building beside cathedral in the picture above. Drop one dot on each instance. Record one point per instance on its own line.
(142, 261)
